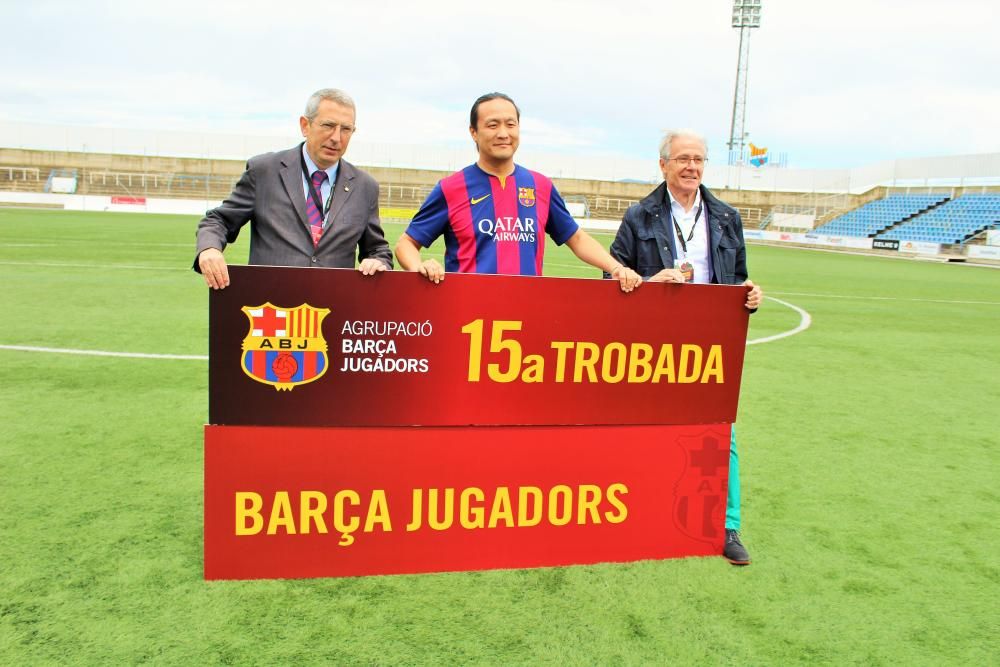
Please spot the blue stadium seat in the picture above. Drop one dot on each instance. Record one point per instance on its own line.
(877, 215)
(951, 222)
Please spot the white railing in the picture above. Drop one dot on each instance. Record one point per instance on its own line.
(128, 179)
(613, 204)
(25, 172)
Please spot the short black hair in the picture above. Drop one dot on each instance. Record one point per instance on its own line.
(474, 114)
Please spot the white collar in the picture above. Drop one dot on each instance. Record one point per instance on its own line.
(678, 209)
(331, 172)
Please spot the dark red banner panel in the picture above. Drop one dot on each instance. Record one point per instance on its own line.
(329, 347)
(317, 502)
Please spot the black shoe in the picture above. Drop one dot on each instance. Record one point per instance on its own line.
(734, 550)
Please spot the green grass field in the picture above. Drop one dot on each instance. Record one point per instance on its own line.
(869, 454)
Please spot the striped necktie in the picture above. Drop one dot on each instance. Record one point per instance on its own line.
(314, 214)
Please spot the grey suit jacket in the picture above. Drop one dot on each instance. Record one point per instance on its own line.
(270, 197)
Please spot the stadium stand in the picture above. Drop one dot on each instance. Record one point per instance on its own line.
(955, 221)
(611, 208)
(149, 184)
(880, 215)
(403, 196)
(931, 218)
(21, 179)
(949, 216)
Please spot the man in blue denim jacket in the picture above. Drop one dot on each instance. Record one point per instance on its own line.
(682, 233)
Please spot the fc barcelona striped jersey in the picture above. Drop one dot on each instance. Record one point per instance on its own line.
(491, 227)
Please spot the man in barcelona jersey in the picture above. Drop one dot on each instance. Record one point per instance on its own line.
(494, 214)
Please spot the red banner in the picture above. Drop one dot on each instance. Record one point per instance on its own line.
(375, 425)
(123, 200)
(310, 502)
(329, 347)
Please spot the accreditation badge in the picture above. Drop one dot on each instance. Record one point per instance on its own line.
(685, 267)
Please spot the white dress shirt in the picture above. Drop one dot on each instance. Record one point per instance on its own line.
(696, 238)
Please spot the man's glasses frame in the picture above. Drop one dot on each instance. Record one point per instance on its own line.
(330, 128)
(685, 160)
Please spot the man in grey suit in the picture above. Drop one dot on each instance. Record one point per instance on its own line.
(306, 206)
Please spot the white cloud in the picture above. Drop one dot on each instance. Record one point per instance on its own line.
(830, 84)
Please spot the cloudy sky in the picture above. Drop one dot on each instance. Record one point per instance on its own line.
(832, 84)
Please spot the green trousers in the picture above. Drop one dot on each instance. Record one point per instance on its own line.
(733, 495)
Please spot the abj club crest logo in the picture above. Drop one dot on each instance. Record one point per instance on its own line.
(526, 196)
(285, 346)
(700, 505)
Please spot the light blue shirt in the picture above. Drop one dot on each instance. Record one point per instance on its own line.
(331, 174)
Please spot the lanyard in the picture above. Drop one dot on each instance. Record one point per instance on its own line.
(324, 209)
(677, 228)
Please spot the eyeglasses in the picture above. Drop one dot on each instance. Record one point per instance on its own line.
(330, 128)
(685, 160)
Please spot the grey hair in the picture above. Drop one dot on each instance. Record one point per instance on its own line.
(670, 135)
(330, 94)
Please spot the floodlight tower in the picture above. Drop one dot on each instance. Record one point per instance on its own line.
(746, 17)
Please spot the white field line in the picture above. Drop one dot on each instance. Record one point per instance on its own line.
(804, 323)
(136, 267)
(105, 353)
(130, 267)
(860, 297)
(65, 241)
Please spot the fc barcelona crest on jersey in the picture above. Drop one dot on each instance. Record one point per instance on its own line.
(526, 196)
(285, 346)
